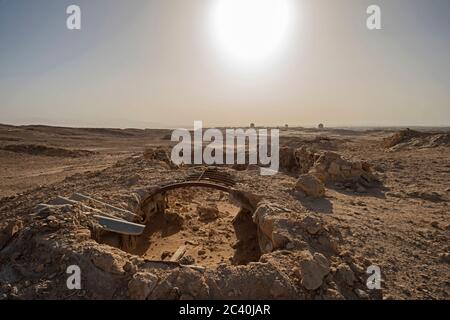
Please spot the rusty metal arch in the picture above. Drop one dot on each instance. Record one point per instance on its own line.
(185, 184)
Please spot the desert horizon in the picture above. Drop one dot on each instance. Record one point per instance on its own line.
(172, 127)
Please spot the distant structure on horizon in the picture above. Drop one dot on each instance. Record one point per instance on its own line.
(321, 126)
(252, 125)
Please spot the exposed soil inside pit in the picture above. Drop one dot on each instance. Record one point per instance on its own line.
(206, 224)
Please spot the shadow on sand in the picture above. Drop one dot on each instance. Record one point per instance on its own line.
(319, 205)
(377, 191)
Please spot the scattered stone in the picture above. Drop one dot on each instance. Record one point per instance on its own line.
(312, 224)
(357, 268)
(332, 294)
(52, 221)
(280, 240)
(130, 267)
(187, 260)
(141, 285)
(133, 180)
(313, 270)
(173, 217)
(165, 254)
(328, 243)
(108, 262)
(435, 224)
(83, 234)
(310, 185)
(208, 213)
(345, 274)
(361, 294)
(192, 282)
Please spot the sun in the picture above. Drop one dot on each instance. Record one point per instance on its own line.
(251, 31)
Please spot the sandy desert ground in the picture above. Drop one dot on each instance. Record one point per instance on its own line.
(344, 200)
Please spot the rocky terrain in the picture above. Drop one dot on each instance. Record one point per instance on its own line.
(343, 201)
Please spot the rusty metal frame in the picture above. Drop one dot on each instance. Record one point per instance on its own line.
(186, 184)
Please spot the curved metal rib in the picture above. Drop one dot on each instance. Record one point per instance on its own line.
(186, 184)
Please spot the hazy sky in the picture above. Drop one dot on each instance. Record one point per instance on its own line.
(146, 63)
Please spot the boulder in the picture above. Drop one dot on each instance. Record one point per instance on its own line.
(310, 185)
(108, 262)
(208, 213)
(11, 229)
(345, 274)
(312, 225)
(173, 218)
(313, 269)
(141, 285)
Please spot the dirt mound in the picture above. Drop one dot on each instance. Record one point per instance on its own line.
(320, 142)
(158, 154)
(410, 138)
(283, 245)
(199, 244)
(309, 268)
(41, 150)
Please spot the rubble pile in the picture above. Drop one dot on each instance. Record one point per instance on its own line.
(326, 166)
(331, 167)
(159, 154)
(416, 139)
